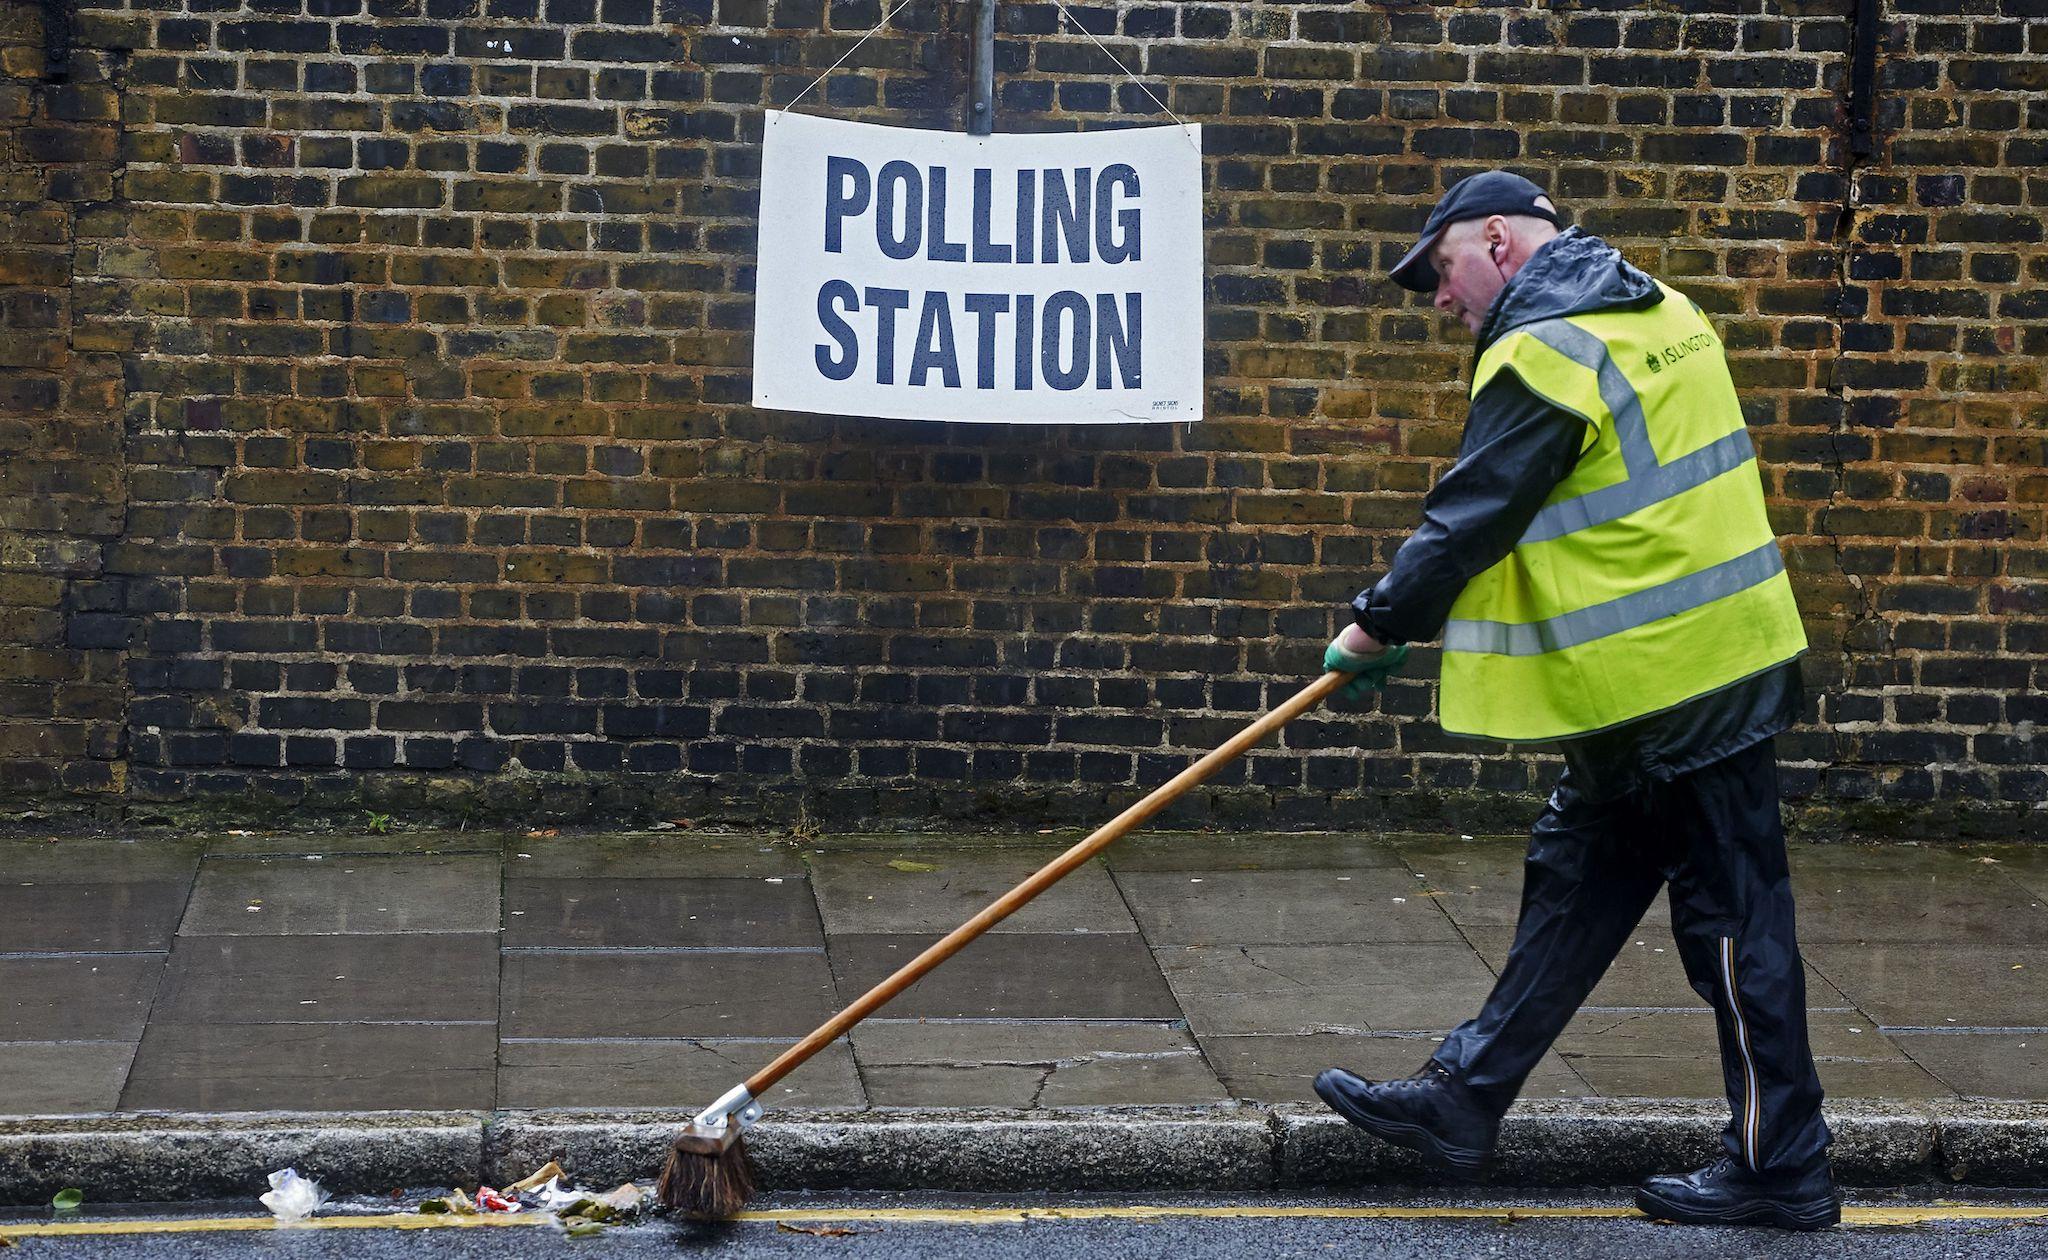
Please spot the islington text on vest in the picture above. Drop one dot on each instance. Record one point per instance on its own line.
(1064, 340)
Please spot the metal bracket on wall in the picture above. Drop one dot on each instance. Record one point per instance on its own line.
(981, 108)
(56, 40)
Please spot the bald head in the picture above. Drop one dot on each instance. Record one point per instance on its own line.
(1475, 258)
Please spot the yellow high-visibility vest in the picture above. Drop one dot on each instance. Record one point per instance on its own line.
(1651, 574)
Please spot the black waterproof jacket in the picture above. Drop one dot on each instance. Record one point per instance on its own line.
(1516, 448)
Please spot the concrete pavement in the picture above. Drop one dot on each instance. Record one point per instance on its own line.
(500, 986)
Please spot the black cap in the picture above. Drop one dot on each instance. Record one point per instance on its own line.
(1474, 197)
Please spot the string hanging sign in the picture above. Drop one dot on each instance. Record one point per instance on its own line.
(929, 275)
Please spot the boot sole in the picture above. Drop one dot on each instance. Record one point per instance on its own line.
(1460, 1161)
(1803, 1217)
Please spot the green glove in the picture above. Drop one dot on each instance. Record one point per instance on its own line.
(1370, 672)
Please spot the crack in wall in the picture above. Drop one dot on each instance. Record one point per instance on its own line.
(1856, 132)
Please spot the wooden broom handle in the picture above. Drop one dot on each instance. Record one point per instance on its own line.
(1048, 875)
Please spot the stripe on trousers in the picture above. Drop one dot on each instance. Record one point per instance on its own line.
(1752, 1102)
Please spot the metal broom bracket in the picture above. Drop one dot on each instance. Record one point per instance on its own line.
(736, 1107)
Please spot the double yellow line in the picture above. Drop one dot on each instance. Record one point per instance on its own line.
(256, 1224)
(1893, 1216)
(1851, 1216)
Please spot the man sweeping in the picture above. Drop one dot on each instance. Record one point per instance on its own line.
(1601, 570)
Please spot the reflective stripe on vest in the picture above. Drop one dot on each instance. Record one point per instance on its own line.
(1648, 480)
(1611, 503)
(1588, 351)
(1639, 608)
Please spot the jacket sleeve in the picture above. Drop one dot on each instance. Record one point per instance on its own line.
(1516, 448)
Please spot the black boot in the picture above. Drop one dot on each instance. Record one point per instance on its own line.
(1725, 1193)
(1431, 1113)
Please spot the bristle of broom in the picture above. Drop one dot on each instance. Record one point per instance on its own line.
(706, 1187)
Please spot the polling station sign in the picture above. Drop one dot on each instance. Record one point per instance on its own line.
(931, 275)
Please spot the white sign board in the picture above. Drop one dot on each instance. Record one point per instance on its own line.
(930, 275)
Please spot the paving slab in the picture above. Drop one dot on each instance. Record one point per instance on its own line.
(1912, 894)
(1675, 1054)
(1201, 851)
(1983, 1064)
(1078, 975)
(936, 890)
(399, 841)
(323, 894)
(92, 895)
(330, 979)
(665, 993)
(41, 915)
(1478, 881)
(664, 1072)
(1287, 907)
(662, 911)
(2025, 865)
(217, 1067)
(76, 997)
(1647, 973)
(1699, 1076)
(1650, 1033)
(1057, 839)
(84, 860)
(1228, 989)
(1878, 1079)
(62, 1077)
(1023, 1064)
(656, 855)
(1918, 985)
(1282, 1068)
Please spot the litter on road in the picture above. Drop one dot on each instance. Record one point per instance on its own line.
(292, 1197)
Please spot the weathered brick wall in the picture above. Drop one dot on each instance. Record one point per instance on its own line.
(443, 490)
(62, 632)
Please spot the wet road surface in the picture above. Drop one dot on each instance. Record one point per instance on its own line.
(1905, 1226)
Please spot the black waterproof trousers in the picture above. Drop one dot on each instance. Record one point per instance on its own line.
(1714, 835)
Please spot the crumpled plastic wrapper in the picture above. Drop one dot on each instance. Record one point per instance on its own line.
(292, 1197)
(489, 1200)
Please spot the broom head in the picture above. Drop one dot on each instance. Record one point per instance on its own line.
(708, 1176)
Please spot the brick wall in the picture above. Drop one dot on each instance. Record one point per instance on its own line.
(442, 492)
(62, 629)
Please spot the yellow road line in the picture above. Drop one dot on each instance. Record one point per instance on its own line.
(1853, 1216)
(998, 1216)
(1004, 1216)
(1920, 1215)
(255, 1224)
